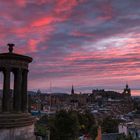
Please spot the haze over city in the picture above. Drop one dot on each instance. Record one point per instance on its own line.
(87, 43)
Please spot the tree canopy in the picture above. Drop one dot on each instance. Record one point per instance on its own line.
(70, 125)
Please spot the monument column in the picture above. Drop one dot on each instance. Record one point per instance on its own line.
(24, 103)
(6, 90)
(17, 90)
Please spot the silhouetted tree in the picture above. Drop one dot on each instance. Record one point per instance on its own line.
(65, 126)
(123, 137)
(68, 125)
(110, 125)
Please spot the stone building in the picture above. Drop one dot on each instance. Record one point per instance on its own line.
(15, 121)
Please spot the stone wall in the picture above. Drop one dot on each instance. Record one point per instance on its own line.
(21, 133)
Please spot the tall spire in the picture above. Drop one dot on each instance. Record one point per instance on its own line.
(72, 90)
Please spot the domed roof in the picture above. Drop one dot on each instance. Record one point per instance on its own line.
(14, 56)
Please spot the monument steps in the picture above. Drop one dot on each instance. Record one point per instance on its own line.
(15, 120)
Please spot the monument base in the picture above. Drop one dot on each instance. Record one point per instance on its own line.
(16, 126)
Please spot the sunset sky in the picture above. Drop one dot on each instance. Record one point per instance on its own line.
(87, 43)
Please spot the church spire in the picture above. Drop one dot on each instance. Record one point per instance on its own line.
(72, 90)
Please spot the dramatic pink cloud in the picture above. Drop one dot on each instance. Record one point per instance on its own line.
(87, 43)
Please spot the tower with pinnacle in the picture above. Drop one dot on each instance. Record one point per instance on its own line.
(127, 91)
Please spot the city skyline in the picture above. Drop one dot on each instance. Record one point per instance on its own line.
(87, 43)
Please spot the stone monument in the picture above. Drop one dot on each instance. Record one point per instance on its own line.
(15, 121)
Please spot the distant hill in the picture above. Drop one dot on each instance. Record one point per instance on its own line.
(29, 92)
(32, 93)
(60, 94)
